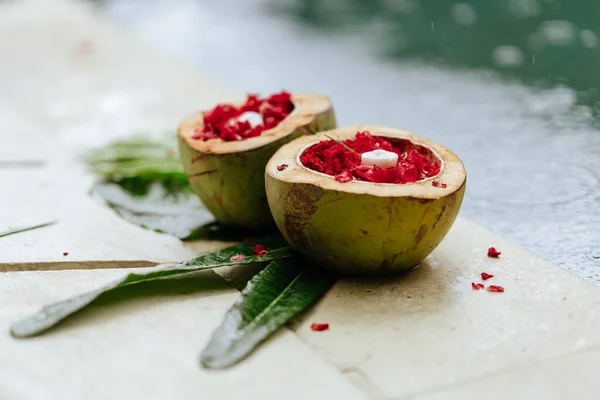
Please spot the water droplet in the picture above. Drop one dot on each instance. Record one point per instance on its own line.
(558, 33)
(588, 38)
(594, 253)
(525, 8)
(464, 14)
(508, 56)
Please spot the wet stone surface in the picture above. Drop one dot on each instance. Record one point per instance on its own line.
(532, 155)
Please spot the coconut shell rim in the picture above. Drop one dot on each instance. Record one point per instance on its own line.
(452, 172)
(307, 106)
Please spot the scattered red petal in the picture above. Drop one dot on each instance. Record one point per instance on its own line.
(319, 326)
(345, 176)
(492, 252)
(438, 184)
(248, 239)
(259, 250)
(221, 122)
(237, 257)
(282, 167)
(477, 286)
(65, 254)
(86, 46)
(485, 276)
(495, 288)
(335, 159)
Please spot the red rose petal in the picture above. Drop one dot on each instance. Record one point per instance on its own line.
(86, 46)
(237, 257)
(492, 252)
(259, 250)
(345, 176)
(477, 286)
(319, 326)
(65, 254)
(221, 122)
(495, 288)
(485, 276)
(282, 167)
(335, 159)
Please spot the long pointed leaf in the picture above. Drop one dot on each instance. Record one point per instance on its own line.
(54, 313)
(274, 296)
(28, 228)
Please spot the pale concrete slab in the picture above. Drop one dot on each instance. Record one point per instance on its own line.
(24, 141)
(551, 379)
(92, 234)
(144, 344)
(430, 330)
(87, 82)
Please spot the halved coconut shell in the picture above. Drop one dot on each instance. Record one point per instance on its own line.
(229, 176)
(362, 227)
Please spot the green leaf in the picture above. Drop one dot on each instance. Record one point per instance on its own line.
(140, 185)
(132, 168)
(142, 180)
(271, 298)
(178, 213)
(135, 148)
(140, 161)
(55, 313)
(28, 228)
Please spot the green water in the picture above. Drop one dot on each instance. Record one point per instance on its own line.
(544, 43)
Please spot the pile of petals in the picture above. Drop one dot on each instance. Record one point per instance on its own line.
(221, 122)
(333, 158)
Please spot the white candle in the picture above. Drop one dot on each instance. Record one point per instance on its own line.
(382, 158)
(254, 118)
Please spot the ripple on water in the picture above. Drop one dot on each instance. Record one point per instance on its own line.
(594, 253)
(536, 186)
